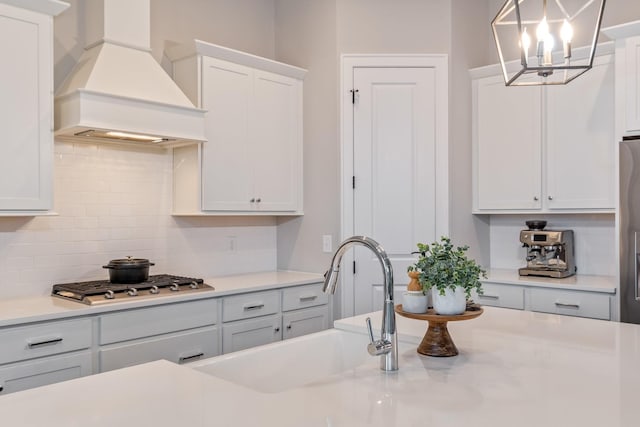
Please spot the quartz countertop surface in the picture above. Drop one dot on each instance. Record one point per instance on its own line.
(515, 368)
(14, 311)
(578, 282)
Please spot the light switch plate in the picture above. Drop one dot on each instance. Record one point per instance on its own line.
(327, 244)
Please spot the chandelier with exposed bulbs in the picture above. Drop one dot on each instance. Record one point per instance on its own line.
(557, 25)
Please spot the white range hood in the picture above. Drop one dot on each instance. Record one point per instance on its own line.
(118, 92)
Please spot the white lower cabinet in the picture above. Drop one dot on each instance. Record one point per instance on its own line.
(596, 305)
(179, 332)
(245, 334)
(37, 354)
(179, 348)
(506, 296)
(256, 318)
(571, 303)
(303, 322)
(48, 370)
(44, 353)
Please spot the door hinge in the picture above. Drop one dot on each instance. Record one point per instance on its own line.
(353, 182)
(353, 95)
(354, 267)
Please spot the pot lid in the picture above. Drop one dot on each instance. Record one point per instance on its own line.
(129, 262)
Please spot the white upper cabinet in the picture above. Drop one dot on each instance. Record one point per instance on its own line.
(627, 37)
(26, 106)
(252, 160)
(507, 145)
(632, 78)
(580, 140)
(545, 149)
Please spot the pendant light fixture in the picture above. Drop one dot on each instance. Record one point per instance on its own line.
(538, 37)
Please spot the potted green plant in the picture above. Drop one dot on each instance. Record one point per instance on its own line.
(449, 274)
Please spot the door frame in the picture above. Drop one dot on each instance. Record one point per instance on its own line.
(439, 62)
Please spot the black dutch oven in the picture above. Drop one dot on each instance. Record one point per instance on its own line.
(128, 270)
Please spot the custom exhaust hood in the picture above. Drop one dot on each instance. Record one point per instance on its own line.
(118, 92)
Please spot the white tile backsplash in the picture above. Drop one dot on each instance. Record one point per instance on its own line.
(115, 201)
(594, 239)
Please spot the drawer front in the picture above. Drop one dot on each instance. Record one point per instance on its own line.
(303, 296)
(303, 322)
(177, 348)
(147, 322)
(250, 305)
(46, 339)
(505, 296)
(571, 303)
(26, 375)
(251, 333)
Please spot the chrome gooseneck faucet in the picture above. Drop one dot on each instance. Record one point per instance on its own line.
(387, 345)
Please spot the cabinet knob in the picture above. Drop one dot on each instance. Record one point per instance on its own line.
(252, 201)
(535, 198)
(1, 388)
(277, 330)
(549, 197)
(288, 327)
(258, 200)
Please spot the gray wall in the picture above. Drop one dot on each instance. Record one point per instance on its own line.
(246, 25)
(306, 36)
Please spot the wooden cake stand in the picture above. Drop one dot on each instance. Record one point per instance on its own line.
(437, 341)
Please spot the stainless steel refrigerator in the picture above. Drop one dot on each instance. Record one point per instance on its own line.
(630, 229)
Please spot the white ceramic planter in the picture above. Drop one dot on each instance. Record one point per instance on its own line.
(451, 303)
(415, 302)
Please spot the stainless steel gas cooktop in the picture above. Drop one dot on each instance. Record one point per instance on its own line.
(103, 291)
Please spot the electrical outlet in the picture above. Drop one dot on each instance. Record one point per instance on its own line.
(231, 242)
(327, 245)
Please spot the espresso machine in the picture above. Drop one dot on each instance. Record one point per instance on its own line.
(549, 252)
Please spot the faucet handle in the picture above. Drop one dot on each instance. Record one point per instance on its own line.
(377, 348)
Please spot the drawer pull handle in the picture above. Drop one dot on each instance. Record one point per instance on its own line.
(489, 296)
(308, 298)
(253, 307)
(187, 358)
(44, 343)
(565, 305)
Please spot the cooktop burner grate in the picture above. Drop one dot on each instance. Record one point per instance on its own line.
(99, 291)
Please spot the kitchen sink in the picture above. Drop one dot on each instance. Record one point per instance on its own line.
(292, 363)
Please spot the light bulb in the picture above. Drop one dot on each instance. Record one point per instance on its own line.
(525, 42)
(543, 30)
(566, 32)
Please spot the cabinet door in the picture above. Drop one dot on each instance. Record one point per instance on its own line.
(178, 348)
(276, 125)
(26, 150)
(251, 333)
(571, 303)
(632, 78)
(499, 295)
(227, 174)
(508, 146)
(580, 141)
(48, 370)
(303, 322)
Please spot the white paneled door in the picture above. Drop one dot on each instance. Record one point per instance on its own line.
(394, 169)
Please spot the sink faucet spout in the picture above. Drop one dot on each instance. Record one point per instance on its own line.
(387, 346)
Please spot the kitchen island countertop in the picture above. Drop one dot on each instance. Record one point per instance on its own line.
(515, 368)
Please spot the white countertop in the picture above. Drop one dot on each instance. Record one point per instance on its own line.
(578, 282)
(515, 368)
(45, 307)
